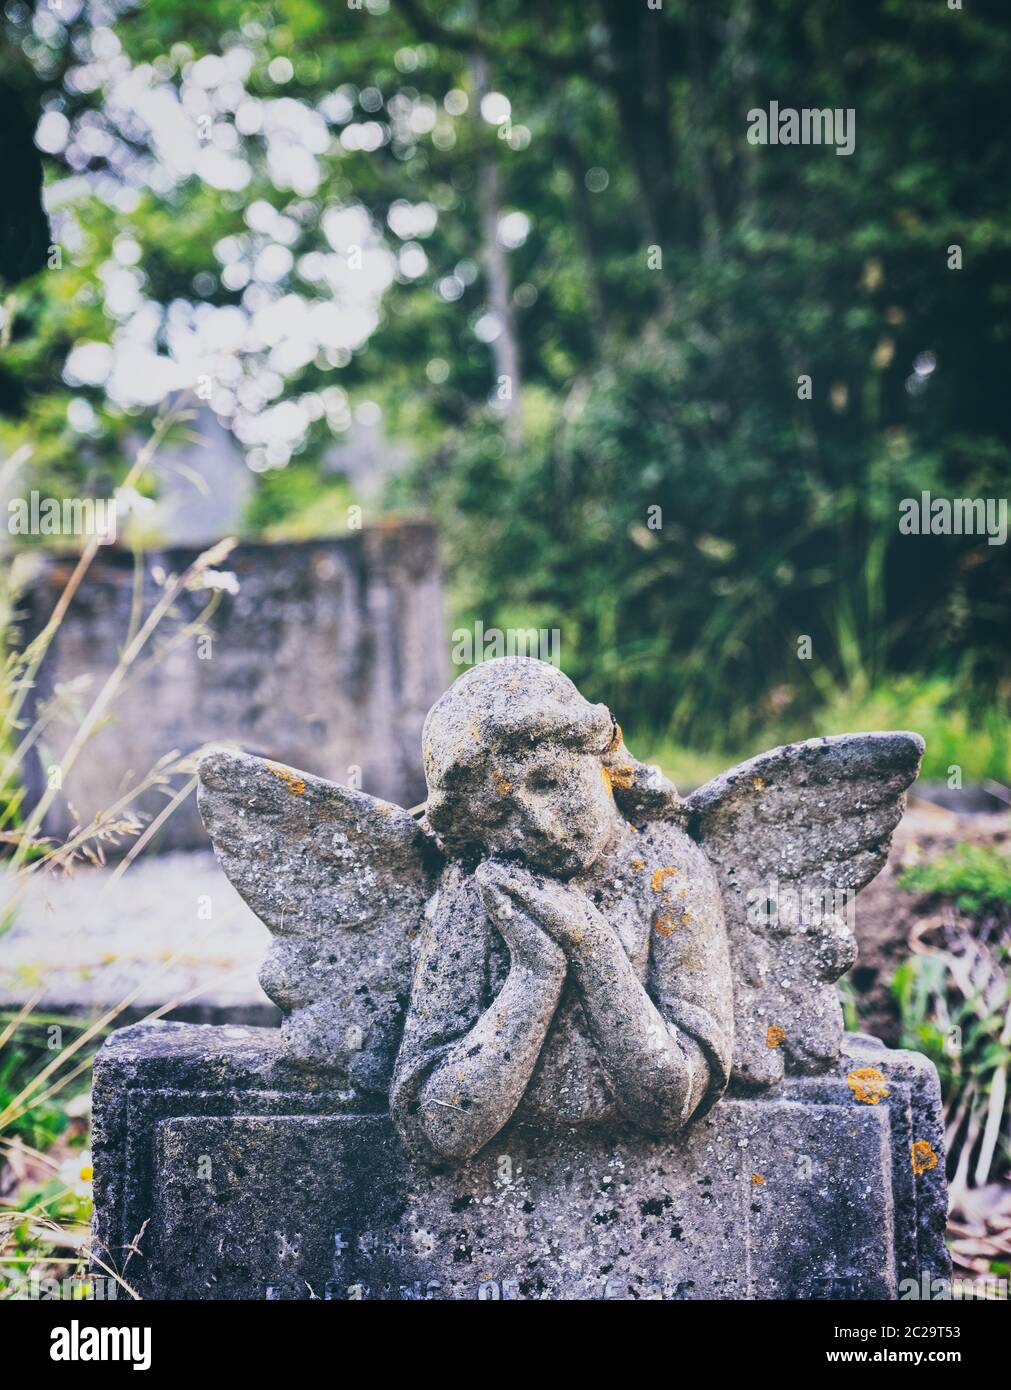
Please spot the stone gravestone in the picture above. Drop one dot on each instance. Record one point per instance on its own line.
(567, 1036)
(325, 656)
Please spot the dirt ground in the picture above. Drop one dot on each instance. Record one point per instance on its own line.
(888, 920)
(887, 915)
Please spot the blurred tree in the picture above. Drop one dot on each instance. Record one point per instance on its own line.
(308, 211)
(24, 232)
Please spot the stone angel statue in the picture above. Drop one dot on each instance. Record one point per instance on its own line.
(560, 939)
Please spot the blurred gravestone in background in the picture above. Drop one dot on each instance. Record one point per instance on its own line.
(367, 459)
(327, 658)
(191, 512)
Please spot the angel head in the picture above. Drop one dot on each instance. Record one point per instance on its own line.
(519, 765)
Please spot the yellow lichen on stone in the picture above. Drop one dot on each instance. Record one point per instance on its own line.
(924, 1157)
(658, 878)
(868, 1085)
(665, 925)
(757, 1180)
(623, 778)
(775, 1035)
(502, 785)
(758, 784)
(606, 776)
(638, 863)
(615, 743)
(294, 783)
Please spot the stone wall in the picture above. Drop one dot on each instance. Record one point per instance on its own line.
(249, 1178)
(327, 659)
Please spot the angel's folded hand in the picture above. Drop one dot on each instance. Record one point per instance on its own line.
(529, 945)
(562, 911)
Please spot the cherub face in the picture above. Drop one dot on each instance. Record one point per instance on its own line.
(551, 808)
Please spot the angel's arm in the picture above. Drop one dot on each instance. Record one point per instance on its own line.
(477, 1081)
(657, 1072)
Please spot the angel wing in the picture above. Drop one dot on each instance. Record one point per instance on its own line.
(341, 879)
(794, 834)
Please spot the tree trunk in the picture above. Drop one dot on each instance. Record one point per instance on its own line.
(505, 348)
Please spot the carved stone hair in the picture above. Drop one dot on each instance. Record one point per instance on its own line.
(512, 704)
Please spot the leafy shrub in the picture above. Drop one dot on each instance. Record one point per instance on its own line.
(977, 878)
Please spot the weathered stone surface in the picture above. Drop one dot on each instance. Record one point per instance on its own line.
(245, 1177)
(810, 823)
(557, 918)
(508, 1026)
(338, 877)
(327, 657)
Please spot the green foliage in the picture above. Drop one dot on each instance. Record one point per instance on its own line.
(51, 1209)
(977, 878)
(44, 1211)
(674, 507)
(917, 985)
(691, 629)
(296, 505)
(42, 1125)
(955, 1004)
(964, 1033)
(957, 731)
(979, 743)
